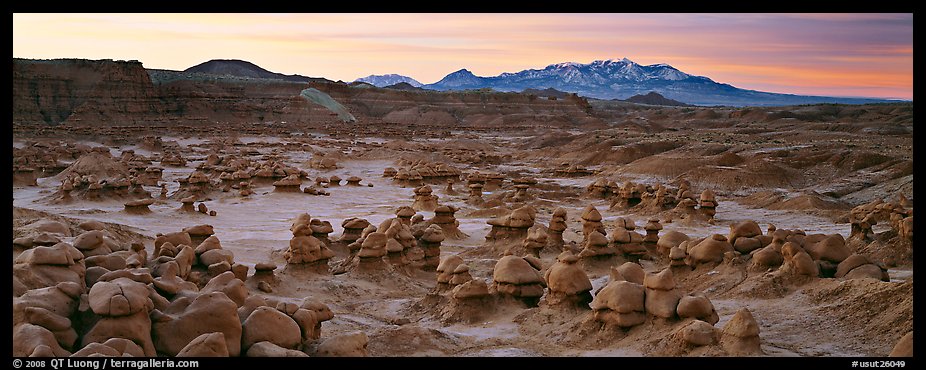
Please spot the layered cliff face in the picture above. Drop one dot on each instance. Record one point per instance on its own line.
(460, 108)
(112, 93)
(75, 90)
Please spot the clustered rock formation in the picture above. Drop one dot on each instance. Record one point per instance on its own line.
(305, 250)
(419, 172)
(658, 199)
(97, 297)
(424, 200)
(512, 228)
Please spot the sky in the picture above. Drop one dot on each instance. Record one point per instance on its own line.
(858, 54)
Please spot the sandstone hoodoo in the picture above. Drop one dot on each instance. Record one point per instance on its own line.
(556, 229)
(591, 221)
(512, 228)
(567, 283)
(535, 242)
(405, 214)
(515, 277)
(620, 303)
(475, 194)
(626, 241)
(708, 203)
(599, 188)
(424, 200)
(304, 249)
(445, 219)
(139, 206)
(430, 243)
(290, 183)
(662, 297)
(353, 227)
(445, 271)
(740, 336)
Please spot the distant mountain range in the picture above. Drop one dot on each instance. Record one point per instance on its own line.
(388, 80)
(601, 79)
(241, 68)
(621, 79)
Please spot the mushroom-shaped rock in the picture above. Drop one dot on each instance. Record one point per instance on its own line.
(620, 303)
(374, 245)
(591, 221)
(516, 277)
(424, 200)
(652, 228)
(556, 228)
(352, 228)
(445, 270)
(661, 296)
(444, 217)
(405, 213)
(536, 240)
(740, 336)
(430, 242)
(139, 205)
(354, 181)
(567, 282)
(513, 226)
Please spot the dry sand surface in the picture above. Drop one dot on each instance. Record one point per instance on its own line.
(831, 192)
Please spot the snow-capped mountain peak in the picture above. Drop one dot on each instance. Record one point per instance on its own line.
(610, 79)
(388, 80)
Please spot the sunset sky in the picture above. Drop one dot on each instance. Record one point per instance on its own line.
(867, 55)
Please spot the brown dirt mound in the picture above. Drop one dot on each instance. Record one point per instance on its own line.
(101, 165)
(759, 173)
(665, 166)
(810, 202)
(874, 312)
(729, 159)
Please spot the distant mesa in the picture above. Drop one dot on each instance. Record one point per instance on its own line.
(653, 98)
(241, 68)
(388, 80)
